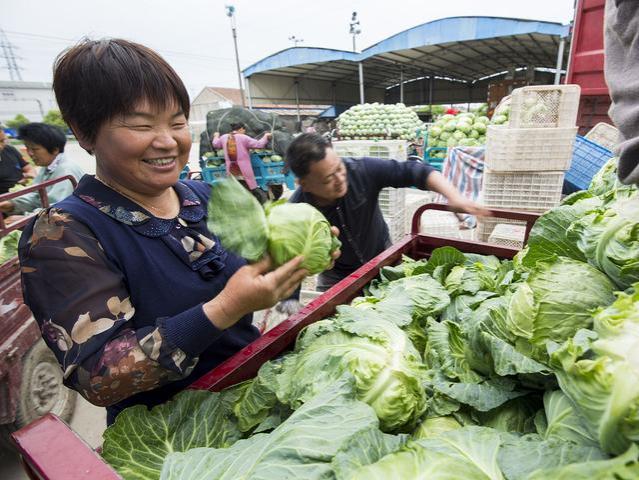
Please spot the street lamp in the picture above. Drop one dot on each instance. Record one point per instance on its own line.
(230, 12)
(295, 40)
(354, 29)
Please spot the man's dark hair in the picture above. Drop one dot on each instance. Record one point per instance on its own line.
(48, 136)
(237, 126)
(305, 149)
(98, 80)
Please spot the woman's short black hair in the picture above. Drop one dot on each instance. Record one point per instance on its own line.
(98, 80)
(48, 136)
(237, 126)
(305, 149)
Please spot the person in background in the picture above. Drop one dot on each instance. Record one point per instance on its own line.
(13, 168)
(621, 46)
(236, 147)
(133, 293)
(45, 145)
(346, 191)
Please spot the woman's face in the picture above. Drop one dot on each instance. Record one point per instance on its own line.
(144, 150)
(39, 154)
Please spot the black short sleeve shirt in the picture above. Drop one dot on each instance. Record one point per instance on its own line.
(11, 164)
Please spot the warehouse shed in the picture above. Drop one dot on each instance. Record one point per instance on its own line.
(450, 60)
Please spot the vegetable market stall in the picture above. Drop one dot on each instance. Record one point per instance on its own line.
(457, 361)
(44, 445)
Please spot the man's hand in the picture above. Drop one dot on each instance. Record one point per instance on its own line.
(6, 206)
(437, 183)
(463, 205)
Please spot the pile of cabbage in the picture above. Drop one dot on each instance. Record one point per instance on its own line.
(376, 121)
(9, 246)
(283, 230)
(464, 129)
(459, 366)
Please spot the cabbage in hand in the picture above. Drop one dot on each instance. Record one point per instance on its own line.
(300, 229)
(284, 230)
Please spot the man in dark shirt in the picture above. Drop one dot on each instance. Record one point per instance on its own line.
(13, 168)
(346, 191)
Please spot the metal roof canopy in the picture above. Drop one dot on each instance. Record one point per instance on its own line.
(460, 49)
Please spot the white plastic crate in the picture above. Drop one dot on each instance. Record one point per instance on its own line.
(388, 149)
(529, 149)
(439, 223)
(508, 235)
(396, 225)
(486, 225)
(605, 135)
(532, 191)
(392, 200)
(544, 106)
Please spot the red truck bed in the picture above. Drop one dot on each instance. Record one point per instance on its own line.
(586, 65)
(46, 444)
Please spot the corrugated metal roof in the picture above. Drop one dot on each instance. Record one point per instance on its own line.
(459, 48)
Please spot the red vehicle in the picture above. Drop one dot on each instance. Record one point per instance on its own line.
(586, 64)
(30, 376)
(46, 443)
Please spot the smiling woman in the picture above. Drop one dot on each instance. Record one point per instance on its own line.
(139, 298)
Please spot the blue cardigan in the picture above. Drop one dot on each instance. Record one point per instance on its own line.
(167, 268)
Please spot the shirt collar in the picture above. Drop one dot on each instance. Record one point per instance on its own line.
(56, 161)
(123, 210)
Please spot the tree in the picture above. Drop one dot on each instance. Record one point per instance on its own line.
(18, 121)
(54, 117)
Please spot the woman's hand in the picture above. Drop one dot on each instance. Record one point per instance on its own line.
(254, 287)
(6, 206)
(336, 254)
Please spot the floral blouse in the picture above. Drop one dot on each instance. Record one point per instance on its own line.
(118, 292)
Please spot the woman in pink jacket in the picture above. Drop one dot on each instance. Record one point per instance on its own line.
(238, 159)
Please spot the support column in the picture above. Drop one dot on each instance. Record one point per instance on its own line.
(430, 90)
(361, 83)
(297, 99)
(560, 60)
(401, 85)
(247, 82)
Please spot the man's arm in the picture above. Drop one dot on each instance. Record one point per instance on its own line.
(391, 173)
(436, 182)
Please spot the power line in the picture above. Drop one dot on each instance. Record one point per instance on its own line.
(10, 57)
(71, 40)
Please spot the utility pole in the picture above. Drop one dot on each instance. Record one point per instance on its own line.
(230, 12)
(7, 53)
(354, 31)
(295, 40)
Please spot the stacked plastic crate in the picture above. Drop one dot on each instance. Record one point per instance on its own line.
(392, 201)
(526, 160)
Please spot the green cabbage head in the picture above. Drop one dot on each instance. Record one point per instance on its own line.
(284, 230)
(300, 229)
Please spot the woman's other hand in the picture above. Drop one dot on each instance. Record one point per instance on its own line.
(254, 287)
(335, 254)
